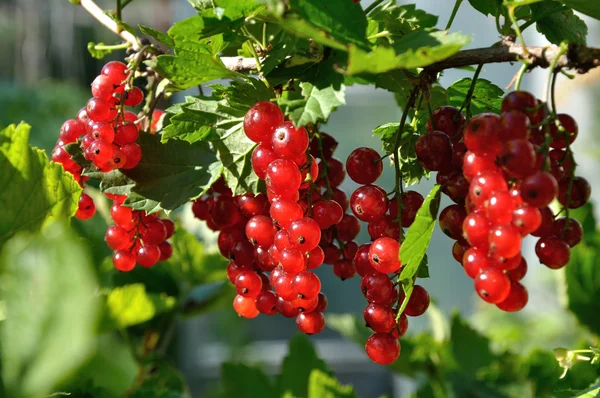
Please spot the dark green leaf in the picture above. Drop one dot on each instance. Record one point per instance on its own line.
(322, 385)
(587, 7)
(334, 23)
(559, 24)
(585, 215)
(542, 367)
(131, 304)
(487, 97)
(318, 104)
(418, 49)
(414, 247)
(583, 284)
(242, 381)
(471, 350)
(35, 190)
(297, 366)
(48, 291)
(487, 7)
(423, 271)
(169, 174)
(160, 37)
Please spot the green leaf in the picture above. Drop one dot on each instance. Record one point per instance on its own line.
(322, 385)
(392, 21)
(471, 350)
(160, 37)
(587, 7)
(48, 287)
(415, 50)
(583, 284)
(334, 23)
(99, 53)
(414, 247)
(35, 191)
(585, 216)
(349, 326)
(319, 104)
(487, 7)
(487, 97)
(242, 381)
(169, 174)
(131, 304)
(559, 26)
(297, 366)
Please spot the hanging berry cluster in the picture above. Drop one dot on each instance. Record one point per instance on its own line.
(107, 133)
(503, 172)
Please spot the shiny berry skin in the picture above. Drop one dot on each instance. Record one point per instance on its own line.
(569, 129)
(481, 134)
(553, 252)
(384, 255)
(571, 232)
(401, 327)
(100, 110)
(251, 205)
(116, 71)
(315, 258)
(411, 201)
(223, 211)
(344, 269)
(516, 299)
(245, 307)
(522, 101)
(103, 131)
(305, 234)
(475, 260)
(148, 255)
(518, 158)
(283, 177)
(492, 285)
(122, 216)
(505, 241)
(227, 238)
(368, 203)
(476, 228)
(457, 188)
(484, 185)
(364, 165)
(134, 97)
(284, 212)
(418, 301)
(518, 273)
(361, 261)
(248, 283)
(310, 323)
(322, 303)
(506, 264)
(260, 230)
(539, 189)
(434, 151)
(382, 348)
(126, 133)
(242, 253)
(102, 87)
(341, 198)
(261, 121)
(451, 220)
(85, 207)
(133, 152)
(384, 227)
(514, 125)
(283, 286)
(306, 285)
(292, 260)
(288, 141)
(545, 228)
(377, 288)
(282, 240)
(379, 318)
(335, 172)
(499, 207)
(448, 120)
(266, 302)
(580, 193)
(155, 233)
(474, 165)
(263, 260)
(527, 219)
(327, 213)
(117, 238)
(166, 251)
(458, 250)
(124, 260)
(262, 156)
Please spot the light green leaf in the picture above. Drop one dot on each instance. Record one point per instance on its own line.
(49, 288)
(319, 104)
(559, 26)
(418, 236)
(131, 304)
(415, 50)
(98, 53)
(471, 350)
(487, 97)
(587, 7)
(297, 366)
(35, 191)
(322, 385)
(242, 381)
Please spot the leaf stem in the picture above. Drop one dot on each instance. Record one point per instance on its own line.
(467, 103)
(92, 8)
(513, 20)
(373, 6)
(520, 75)
(115, 47)
(453, 15)
(119, 8)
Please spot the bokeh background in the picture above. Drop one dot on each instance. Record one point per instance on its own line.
(45, 72)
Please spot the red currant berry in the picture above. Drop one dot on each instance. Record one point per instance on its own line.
(368, 203)
(379, 318)
(242, 253)
(474, 261)
(434, 151)
(473, 165)
(134, 97)
(492, 285)
(261, 121)
(518, 273)
(306, 285)
(568, 129)
(418, 301)
(458, 250)
(260, 230)
(384, 255)
(283, 177)
(553, 252)
(155, 233)
(377, 288)
(292, 260)
(476, 228)
(117, 238)
(310, 323)
(348, 228)
(327, 213)
(248, 283)
(315, 258)
(519, 100)
(451, 220)
(411, 203)
(124, 260)
(126, 133)
(518, 158)
(514, 125)
(482, 134)
(245, 307)
(448, 120)
(484, 185)
(85, 207)
(335, 172)
(266, 302)
(580, 193)
(499, 208)
(344, 269)
(527, 219)
(569, 229)
(262, 156)
(364, 165)
(148, 255)
(284, 212)
(288, 141)
(340, 197)
(505, 241)
(361, 261)
(305, 234)
(516, 299)
(384, 227)
(539, 189)
(382, 348)
(116, 71)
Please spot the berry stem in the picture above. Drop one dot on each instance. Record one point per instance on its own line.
(520, 75)
(513, 20)
(114, 47)
(469, 97)
(453, 15)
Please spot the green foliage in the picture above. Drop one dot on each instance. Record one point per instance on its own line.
(44, 342)
(414, 247)
(41, 191)
(316, 105)
(322, 385)
(130, 304)
(487, 97)
(558, 24)
(591, 8)
(487, 7)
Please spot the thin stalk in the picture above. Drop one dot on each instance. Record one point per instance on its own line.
(372, 6)
(469, 97)
(119, 8)
(520, 75)
(453, 15)
(113, 47)
(513, 19)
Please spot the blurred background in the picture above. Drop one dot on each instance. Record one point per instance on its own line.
(45, 74)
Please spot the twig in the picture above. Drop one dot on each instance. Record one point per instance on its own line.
(92, 8)
(453, 15)
(467, 103)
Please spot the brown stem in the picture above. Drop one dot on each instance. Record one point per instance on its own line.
(92, 8)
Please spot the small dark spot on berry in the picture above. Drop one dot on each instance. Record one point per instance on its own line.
(301, 240)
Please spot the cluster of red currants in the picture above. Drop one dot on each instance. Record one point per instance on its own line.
(503, 171)
(137, 237)
(106, 131)
(379, 261)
